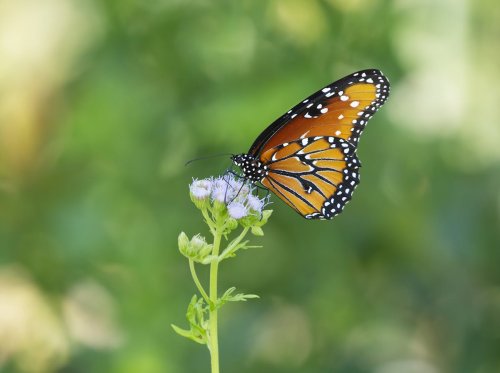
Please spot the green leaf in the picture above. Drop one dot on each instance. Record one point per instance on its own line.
(242, 297)
(229, 297)
(231, 249)
(188, 334)
(257, 231)
(228, 292)
(266, 214)
(195, 316)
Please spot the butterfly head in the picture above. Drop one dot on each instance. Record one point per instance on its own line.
(253, 169)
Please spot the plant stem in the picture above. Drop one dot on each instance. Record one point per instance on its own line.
(197, 281)
(209, 221)
(213, 343)
(234, 243)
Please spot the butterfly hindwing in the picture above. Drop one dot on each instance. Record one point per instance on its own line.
(316, 176)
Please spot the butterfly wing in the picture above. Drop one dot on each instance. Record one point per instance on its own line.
(341, 110)
(310, 152)
(314, 175)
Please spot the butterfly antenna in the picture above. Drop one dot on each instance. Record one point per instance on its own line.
(207, 157)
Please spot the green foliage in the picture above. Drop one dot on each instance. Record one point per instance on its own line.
(198, 324)
(103, 102)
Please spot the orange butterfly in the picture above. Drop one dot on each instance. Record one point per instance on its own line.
(307, 157)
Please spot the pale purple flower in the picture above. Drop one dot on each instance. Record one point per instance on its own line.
(226, 188)
(237, 210)
(220, 190)
(235, 185)
(219, 194)
(237, 195)
(201, 189)
(255, 203)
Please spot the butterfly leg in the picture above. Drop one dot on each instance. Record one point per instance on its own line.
(237, 194)
(265, 198)
(231, 172)
(260, 187)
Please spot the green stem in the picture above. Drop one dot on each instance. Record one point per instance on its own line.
(213, 343)
(209, 221)
(197, 281)
(234, 243)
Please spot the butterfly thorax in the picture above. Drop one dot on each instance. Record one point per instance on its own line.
(253, 169)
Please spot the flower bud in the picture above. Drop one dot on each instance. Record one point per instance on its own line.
(197, 249)
(197, 243)
(231, 225)
(183, 242)
(200, 192)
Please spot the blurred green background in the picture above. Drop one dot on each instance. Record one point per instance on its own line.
(102, 102)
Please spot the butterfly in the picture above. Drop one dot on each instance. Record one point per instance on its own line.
(307, 157)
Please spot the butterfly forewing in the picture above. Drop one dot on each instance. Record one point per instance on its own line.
(341, 109)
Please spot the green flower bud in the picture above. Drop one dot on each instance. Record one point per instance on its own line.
(183, 242)
(200, 247)
(257, 231)
(197, 249)
(231, 225)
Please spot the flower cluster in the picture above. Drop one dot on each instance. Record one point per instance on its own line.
(227, 192)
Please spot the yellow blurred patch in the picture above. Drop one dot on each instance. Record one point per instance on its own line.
(302, 21)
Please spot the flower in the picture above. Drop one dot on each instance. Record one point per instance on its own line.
(237, 210)
(220, 190)
(200, 192)
(226, 188)
(201, 189)
(236, 186)
(228, 194)
(255, 203)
